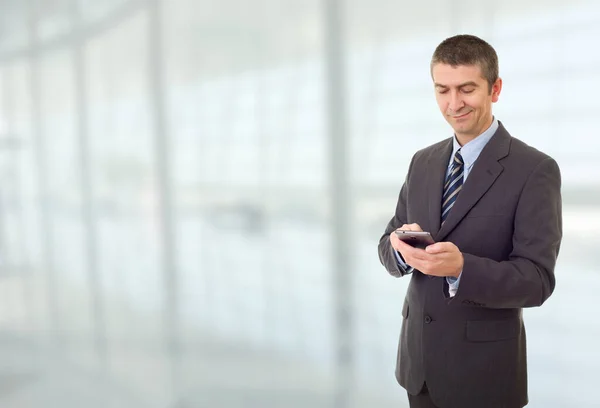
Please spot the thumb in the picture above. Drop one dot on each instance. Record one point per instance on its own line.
(436, 248)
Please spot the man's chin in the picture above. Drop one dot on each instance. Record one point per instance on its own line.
(463, 131)
(459, 127)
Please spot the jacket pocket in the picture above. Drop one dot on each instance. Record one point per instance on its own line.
(493, 330)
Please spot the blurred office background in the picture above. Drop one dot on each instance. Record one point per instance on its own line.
(192, 192)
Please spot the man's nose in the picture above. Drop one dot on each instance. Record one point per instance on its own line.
(456, 103)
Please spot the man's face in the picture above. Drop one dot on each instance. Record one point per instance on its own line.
(464, 98)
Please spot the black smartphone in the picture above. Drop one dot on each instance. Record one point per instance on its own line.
(417, 239)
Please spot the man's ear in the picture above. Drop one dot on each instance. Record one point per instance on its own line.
(496, 89)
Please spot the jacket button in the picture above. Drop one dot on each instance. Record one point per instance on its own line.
(427, 319)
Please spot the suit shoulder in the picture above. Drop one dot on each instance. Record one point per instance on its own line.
(426, 152)
(525, 153)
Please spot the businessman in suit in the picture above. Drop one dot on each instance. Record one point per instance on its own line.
(493, 205)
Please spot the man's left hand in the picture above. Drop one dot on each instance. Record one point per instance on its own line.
(439, 259)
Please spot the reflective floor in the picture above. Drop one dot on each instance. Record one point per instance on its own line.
(251, 340)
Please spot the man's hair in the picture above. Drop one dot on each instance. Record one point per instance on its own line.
(467, 49)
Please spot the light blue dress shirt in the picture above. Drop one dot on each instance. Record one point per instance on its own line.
(469, 152)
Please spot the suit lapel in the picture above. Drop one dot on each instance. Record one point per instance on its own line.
(436, 173)
(484, 173)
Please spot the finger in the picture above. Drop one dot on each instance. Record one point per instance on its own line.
(403, 247)
(415, 227)
(440, 247)
(418, 253)
(407, 252)
(404, 250)
(394, 240)
(410, 227)
(398, 244)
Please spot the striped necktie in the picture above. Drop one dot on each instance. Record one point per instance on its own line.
(453, 185)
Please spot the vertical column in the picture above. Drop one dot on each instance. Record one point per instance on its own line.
(41, 169)
(5, 134)
(5, 256)
(14, 262)
(340, 201)
(166, 194)
(90, 235)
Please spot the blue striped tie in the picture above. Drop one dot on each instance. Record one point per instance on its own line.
(453, 185)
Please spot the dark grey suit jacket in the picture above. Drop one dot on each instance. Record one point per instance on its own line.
(470, 349)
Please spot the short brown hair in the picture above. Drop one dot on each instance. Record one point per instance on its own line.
(467, 49)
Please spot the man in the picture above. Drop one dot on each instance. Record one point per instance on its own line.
(493, 206)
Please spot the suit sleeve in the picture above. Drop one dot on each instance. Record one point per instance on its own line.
(526, 279)
(387, 257)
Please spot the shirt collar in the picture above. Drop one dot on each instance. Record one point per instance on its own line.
(470, 151)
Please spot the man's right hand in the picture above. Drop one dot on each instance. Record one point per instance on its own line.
(397, 244)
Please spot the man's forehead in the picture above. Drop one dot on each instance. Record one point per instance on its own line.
(447, 74)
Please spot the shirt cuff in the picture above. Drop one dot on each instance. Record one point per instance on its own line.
(453, 284)
(407, 268)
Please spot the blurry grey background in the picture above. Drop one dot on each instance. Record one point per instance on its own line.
(192, 192)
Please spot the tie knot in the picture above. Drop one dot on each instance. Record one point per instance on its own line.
(458, 160)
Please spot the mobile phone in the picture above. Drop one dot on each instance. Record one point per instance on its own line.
(417, 239)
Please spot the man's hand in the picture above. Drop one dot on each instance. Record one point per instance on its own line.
(395, 241)
(439, 259)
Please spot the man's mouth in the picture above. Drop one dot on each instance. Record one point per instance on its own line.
(461, 116)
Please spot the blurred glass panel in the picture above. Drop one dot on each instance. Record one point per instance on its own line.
(53, 18)
(247, 143)
(14, 27)
(66, 263)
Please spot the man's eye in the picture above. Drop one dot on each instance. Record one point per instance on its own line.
(443, 91)
(468, 91)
